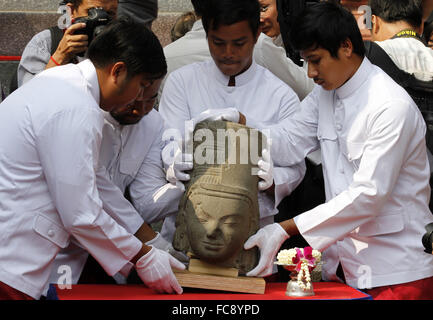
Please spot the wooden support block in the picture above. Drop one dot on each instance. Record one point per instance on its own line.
(188, 279)
(198, 266)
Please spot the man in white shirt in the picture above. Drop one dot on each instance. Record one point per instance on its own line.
(129, 162)
(230, 82)
(193, 47)
(375, 166)
(50, 140)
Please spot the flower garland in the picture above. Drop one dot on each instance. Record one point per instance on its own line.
(305, 260)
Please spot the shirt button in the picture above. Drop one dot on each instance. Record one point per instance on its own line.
(50, 233)
(339, 127)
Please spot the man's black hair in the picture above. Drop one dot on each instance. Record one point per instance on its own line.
(132, 43)
(409, 11)
(326, 25)
(198, 6)
(76, 3)
(228, 12)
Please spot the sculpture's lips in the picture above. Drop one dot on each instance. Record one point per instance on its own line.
(213, 246)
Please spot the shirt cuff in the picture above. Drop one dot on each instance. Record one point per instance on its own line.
(126, 270)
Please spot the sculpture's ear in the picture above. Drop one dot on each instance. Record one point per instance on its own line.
(180, 239)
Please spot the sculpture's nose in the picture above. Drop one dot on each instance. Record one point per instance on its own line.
(213, 230)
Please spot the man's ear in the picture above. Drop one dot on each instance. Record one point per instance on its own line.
(376, 24)
(72, 9)
(347, 48)
(118, 73)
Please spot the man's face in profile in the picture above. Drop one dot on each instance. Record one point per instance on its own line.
(217, 227)
(231, 47)
(132, 113)
(327, 71)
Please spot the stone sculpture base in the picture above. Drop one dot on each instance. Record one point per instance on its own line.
(198, 266)
(188, 279)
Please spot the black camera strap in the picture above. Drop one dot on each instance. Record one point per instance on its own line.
(56, 37)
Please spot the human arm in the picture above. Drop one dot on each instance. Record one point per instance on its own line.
(36, 56)
(295, 136)
(380, 143)
(268, 239)
(115, 204)
(393, 134)
(69, 46)
(274, 58)
(150, 193)
(68, 146)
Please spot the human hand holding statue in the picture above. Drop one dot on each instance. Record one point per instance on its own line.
(177, 162)
(155, 270)
(268, 239)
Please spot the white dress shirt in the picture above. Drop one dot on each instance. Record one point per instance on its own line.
(130, 157)
(258, 94)
(376, 172)
(410, 55)
(50, 136)
(193, 47)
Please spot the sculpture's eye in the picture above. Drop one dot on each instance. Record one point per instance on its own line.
(203, 220)
(232, 220)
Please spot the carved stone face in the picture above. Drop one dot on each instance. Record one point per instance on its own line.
(219, 226)
(219, 210)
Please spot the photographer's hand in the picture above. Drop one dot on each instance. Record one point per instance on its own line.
(70, 45)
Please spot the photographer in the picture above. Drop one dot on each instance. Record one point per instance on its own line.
(53, 47)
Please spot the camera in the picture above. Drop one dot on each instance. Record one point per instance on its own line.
(427, 239)
(95, 22)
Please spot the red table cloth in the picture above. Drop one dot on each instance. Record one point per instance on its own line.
(274, 291)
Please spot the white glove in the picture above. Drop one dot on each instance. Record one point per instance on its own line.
(154, 269)
(176, 163)
(269, 239)
(226, 114)
(162, 244)
(266, 171)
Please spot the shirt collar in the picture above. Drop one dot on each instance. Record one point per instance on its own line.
(89, 72)
(240, 80)
(353, 84)
(109, 118)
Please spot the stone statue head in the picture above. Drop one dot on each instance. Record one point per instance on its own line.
(219, 210)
